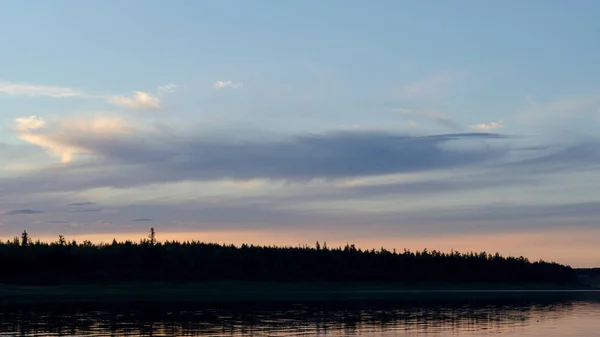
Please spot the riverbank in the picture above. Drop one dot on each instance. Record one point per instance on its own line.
(261, 291)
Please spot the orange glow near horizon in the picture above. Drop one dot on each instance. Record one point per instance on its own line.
(549, 245)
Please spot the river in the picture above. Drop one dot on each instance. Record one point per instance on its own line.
(529, 314)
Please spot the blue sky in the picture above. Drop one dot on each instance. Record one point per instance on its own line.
(448, 125)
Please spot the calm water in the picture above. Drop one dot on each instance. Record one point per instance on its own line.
(511, 314)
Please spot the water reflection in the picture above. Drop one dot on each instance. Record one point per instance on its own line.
(465, 317)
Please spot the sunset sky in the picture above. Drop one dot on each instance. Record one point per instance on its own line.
(466, 125)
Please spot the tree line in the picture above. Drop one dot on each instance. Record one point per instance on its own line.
(25, 262)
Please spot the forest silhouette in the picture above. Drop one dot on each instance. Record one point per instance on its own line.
(63, 262)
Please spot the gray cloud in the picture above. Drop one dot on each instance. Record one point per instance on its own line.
(235, 215)
(22, 211)
(288, 214)
(129, 161)
(467, 181)
(336, 155)
(81, 204)
(84, 210)
(580, 155)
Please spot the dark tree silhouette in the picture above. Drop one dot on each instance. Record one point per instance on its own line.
(24, 239)
(149, 260)
(152, 237)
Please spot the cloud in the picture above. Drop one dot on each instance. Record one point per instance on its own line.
(22, 211)
(81, 204)
(487, 127)
(429, 88)
(581, 155)
(447, 185)
(62, 139)
(167, 89)
(535, 112)
(151, 157)
(84, 210)
(435, 116)
(230, 84)
(510, 217)
(25, 124)
(140, 100)
(17, 89)
(211, 213)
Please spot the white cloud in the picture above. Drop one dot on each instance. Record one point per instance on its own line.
(487, 127)
(17, 89)
(29, 123)
(58, 139)
(230, 84)
(139, 100)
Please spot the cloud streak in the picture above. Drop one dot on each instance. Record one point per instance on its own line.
(19, 89)
(534, 112)
(139, 100)
(435, 116)
(84, 210)
(81, 203)
(429, 88)
(22, 211)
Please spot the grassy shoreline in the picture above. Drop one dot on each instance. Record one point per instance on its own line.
(261, 291)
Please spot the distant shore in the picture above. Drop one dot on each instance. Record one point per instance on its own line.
(261, 291)
(193, 271)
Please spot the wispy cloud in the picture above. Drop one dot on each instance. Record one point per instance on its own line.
(81, 203)
(551, 111)
(137, 101)
(22, 211)
(228, 83)
(142, 220)
(429, 88)
(432, 115)
(487, 127)
(167, 89)
(84, 210)
(17, 89)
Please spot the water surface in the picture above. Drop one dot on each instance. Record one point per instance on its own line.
(464, 314)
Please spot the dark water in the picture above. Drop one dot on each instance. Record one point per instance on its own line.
(465, 314)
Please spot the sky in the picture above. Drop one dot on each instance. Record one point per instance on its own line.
(462, 125)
